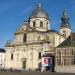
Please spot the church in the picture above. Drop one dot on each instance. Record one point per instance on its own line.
(33, 36)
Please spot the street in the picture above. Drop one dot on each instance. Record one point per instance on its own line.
(34, 73)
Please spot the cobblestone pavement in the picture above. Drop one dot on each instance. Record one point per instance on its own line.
(34, 73)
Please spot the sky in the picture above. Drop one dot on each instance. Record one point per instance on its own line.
(14, 12)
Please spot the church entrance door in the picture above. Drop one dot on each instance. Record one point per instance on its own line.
(24, 64)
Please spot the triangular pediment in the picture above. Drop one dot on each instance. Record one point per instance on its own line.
(25, 27)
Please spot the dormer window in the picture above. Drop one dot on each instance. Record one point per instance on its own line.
(41, 24)
(33, 24)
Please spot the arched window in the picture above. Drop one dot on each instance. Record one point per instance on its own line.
(33, 24)
(25, 37)
(41, 24)
(12, 56)
(39, 56)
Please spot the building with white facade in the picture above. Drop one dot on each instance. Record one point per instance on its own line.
(2, 58)
(32, 37)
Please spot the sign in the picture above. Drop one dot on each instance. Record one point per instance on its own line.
(46, 61)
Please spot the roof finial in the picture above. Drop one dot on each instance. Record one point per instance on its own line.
(65, 20)
(39, 5)
(65, 12)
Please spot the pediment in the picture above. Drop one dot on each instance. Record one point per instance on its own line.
(23, 28)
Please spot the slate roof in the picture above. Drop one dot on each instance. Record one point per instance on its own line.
(39, 12)
(65, 20)
(69, 42)
(2, 50)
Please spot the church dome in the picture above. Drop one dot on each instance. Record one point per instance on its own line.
(39, 12)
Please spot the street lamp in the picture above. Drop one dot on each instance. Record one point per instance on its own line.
(42, 53)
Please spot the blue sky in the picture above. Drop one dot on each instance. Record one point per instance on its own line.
(14, 12)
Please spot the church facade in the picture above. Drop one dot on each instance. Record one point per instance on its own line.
(32, 37)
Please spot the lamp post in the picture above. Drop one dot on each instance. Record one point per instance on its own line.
(42, 54)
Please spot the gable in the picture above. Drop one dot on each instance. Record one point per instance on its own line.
(23, 28)
(69, 42)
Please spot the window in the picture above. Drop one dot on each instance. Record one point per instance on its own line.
(39, 55)
(25, 37)
(1, 59)
(65, 51)
(17, 57)
(74, 56)
(47, 38)
(71, 50)
(46, 24)
(39, 38)
(65, 61)
(58, 61)
(41, 24)
(64, 33)
(59, 40)
(11, 56)
(33, 24)
(1, 56)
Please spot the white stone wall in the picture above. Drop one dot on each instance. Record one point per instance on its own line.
(46, 24)
(30, 52)
(65, 69)
(18, 39)
(67, 31)
(8, 62)
(2, 60)
(58, 39)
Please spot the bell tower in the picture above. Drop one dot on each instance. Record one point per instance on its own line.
(65, 28)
